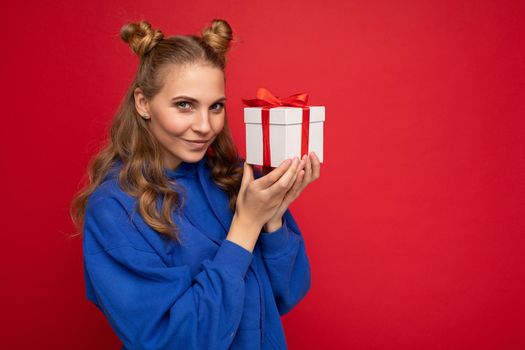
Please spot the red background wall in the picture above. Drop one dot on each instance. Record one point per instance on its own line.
(415, 229)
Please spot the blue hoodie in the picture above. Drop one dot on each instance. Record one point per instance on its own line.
(206, 293)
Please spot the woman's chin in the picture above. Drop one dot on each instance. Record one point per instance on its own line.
(193, 156)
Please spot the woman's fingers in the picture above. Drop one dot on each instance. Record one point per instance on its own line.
(247, 177)
(299, 168)
(286, 180)
(297, 186)
(316, 166)
(295, 183)
(270, 178)
(302, 165)
(284, 177)
(308, 169)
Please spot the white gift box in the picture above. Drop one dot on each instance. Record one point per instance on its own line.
(285, 133)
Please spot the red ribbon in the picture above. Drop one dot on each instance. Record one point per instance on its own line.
(267, 100)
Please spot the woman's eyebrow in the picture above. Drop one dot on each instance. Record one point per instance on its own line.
(182, 97)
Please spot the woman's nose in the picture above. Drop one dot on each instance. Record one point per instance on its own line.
(201, 123)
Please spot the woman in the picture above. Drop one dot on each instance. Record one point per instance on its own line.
(184, 246)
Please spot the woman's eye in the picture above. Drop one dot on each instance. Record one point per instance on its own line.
(183, 105)
(217, 106)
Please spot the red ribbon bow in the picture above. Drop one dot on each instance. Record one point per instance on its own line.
(267, 100)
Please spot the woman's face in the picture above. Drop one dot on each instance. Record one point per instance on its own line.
(187, 114)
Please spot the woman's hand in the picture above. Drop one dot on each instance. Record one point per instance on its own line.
(304, 177)
(258, 200)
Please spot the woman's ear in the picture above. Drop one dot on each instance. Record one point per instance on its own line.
(141, 104)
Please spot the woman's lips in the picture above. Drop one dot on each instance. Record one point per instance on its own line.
(197, 145)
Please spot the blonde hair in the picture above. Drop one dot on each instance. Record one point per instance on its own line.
(130, 141)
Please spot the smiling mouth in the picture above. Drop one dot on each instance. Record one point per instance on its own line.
(197, 141)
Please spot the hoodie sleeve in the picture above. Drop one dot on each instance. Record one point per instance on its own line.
(284, 254)
(154, 306)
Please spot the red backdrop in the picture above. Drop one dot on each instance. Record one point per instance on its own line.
(415, 229)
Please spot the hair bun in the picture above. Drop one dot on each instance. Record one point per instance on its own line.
(140, 37)
(218, 35)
